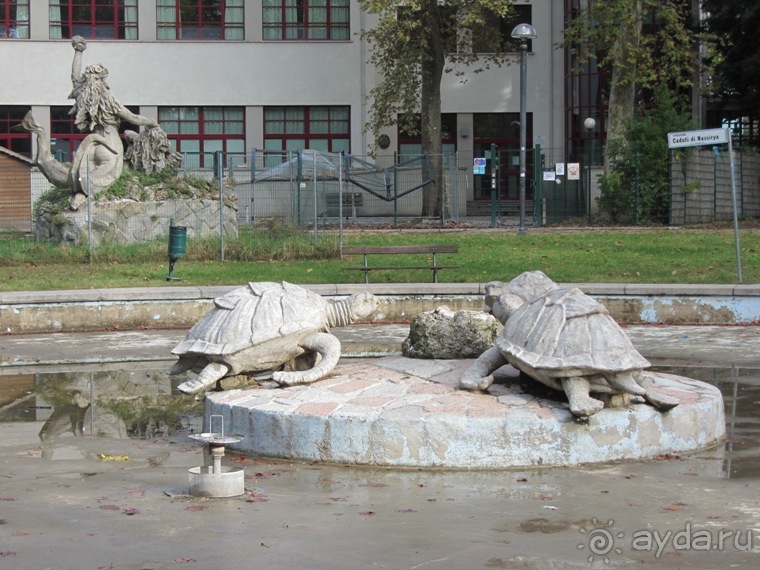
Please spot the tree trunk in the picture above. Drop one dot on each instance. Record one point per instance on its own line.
(430, 112)
(623, 80)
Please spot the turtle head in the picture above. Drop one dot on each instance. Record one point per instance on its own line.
(503, 298)
(347, 311)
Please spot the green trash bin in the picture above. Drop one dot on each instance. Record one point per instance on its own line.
(177, 247)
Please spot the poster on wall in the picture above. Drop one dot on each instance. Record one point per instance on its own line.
(573, 171)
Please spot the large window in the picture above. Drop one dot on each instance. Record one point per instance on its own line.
(410, 145)
(14, 19)
(65, 137)
(198, 132)
(200, 19)
(11, 137)
(325, 129)
(306, 19)
(496, 34)
(99, 19)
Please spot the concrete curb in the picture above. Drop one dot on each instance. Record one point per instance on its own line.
(180, 307)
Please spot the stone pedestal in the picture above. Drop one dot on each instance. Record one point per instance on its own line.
(123, 222)
(402, 412)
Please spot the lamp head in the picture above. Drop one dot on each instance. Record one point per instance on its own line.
(524, 32)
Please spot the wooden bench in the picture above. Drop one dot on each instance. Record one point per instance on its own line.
(368, 250)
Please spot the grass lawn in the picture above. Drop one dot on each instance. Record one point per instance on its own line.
(703, 255)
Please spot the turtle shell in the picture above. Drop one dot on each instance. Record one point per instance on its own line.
(566, 333)
(253, 315)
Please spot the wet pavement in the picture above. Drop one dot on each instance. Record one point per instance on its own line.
(82, 488)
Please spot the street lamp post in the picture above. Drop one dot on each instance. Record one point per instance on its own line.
(589, 124)
(523, 32)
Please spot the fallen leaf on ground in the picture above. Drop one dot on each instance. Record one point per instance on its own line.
(256, 498)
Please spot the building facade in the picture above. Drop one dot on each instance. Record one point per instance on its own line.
(235, 75)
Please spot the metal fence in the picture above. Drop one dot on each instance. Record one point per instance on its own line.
(330, 191)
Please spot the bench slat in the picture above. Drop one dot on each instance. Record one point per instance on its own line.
(403, 267)
(399, 249)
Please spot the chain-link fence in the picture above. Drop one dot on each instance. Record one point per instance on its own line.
(330, 191)
(701, 189)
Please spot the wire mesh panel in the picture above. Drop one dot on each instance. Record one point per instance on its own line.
(310, 188)
(562, 189)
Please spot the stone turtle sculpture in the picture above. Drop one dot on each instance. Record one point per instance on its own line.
(565, 340)
(265, 326)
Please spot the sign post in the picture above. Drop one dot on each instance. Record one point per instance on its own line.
(714, 137)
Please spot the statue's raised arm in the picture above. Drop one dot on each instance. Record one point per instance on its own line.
(99, 160)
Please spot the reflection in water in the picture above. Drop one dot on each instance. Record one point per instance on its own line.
(107, 403)
(741, 394)
(145, 403)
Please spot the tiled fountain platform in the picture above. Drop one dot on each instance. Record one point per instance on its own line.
(402, 412)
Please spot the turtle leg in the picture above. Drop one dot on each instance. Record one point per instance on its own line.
(479, 376)
(184, 364)
(328, 348)
(655, 396)
(626, 383)
(207, 378)
(577, 390)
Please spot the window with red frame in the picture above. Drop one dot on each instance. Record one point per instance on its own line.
(95, 19)
(65, 137)
(200, 19)
(14, 19)
(198, 132)
(325, 129)
(306, 19)
(12, 137)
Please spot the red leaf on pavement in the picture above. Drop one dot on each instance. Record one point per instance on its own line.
(195, 508)
(110, 507)
(131, 512)
(183, 560)
(20, 533)
(255, 497)
(367, 513)
(7, 553)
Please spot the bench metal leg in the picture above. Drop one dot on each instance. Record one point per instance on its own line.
(435, 270)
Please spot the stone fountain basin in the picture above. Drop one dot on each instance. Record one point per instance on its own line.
(402, 412)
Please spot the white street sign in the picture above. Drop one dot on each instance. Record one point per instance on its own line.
(698, 138)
